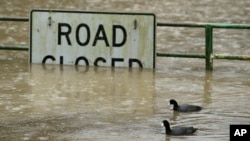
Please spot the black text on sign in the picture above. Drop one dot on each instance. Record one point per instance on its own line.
(92, 38)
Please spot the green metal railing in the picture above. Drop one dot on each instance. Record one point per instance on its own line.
(208, 56)
(14, 19)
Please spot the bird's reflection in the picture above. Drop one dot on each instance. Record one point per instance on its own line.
(174, 116)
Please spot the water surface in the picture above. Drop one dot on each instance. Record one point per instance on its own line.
(53, 102)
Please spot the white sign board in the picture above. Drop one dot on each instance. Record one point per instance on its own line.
(92, 38)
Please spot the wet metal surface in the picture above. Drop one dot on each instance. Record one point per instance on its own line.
(54, 102)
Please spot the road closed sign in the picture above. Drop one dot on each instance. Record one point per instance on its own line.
(92, 38)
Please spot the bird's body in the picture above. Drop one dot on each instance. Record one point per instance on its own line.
(184, 107)
(182, 131)
(177, 131)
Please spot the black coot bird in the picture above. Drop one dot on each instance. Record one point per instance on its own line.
(178, 131)
(184, 107)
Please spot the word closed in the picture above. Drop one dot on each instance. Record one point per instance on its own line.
(239, 132)
(92, 38)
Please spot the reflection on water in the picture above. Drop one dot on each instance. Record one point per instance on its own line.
(57, 94)
(52, 102)
(77, 103)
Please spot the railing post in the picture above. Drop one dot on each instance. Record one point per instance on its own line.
(209, 47)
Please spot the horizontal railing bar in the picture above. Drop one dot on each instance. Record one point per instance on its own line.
(14, 19)
(182, 24)
(203, 25)
(231, 57)
(183, 55)
(19, 48)
(232, 26)
(199, 25)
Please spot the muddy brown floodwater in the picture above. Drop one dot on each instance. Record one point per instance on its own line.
(52, 102)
